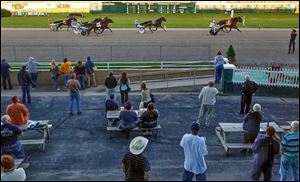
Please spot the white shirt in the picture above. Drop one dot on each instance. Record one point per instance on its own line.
(15, 175)
(208, 95)
(194, 151)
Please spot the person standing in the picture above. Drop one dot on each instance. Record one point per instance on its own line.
(207, 99)
(145, 95)
(292, 41)
(17, 112)
(248, 88)
(74, 86)
(32, 69)
(110, 84)
(219, 62)
(5, 73)
(9, 171)
(89, 65)
(9, 138)
(264, 149)
(124, 83)
(54, 74)
(194, 148)
(25, 80)
(65, 69)
(251, 125)
(290, 153)
(80, 73)
(135, 165)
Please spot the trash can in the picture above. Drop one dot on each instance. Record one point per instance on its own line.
(227, 75)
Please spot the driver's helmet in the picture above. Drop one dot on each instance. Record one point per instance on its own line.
(214, 21)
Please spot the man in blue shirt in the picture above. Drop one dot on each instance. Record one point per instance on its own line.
(219, 62)
(290, 153)
(111, 104)
(5, 73)
(89, 66)
(32, 69)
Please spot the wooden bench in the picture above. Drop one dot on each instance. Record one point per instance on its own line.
(111, 129)
(34, 142)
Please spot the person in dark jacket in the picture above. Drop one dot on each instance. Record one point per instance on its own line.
(292, 41)
(90, 72)
(5, 73)
(79, 69)
(110, 84)
(265, 148)
(148, 119)
(25, 81)
(112, 105)
(251, 125)
(248, 88)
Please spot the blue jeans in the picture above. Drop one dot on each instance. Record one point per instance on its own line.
(188, 176)
(285, 164)
(218, 73)
(34, 77)
(75, 96)
(81, 81)
(26, 92)
(16, 149)
(66, 77)
(55, 82)
(110, 91)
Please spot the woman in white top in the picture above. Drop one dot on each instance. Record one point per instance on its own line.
(8, 170)
(145, 93)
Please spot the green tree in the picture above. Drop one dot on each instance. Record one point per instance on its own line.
(231, 55)
(5, 13)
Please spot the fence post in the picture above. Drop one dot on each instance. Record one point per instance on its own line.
(161, 65)
(62, 52)
(15, 54)
(107, 67)
(110, 53)
(209, 47)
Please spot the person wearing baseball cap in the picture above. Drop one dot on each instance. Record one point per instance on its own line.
(194, 148)
(134, 164)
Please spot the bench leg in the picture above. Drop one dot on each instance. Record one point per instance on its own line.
(109, 134)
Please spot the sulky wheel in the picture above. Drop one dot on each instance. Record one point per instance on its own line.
(84, 33)
(141, 30)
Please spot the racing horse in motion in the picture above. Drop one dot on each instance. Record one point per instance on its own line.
(101, 25)
(155, 23)
(65, 22)
(230, 23)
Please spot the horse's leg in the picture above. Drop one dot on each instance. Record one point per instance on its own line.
(229, 29)
(162, 28)
(109, 29)
(150, 28)
(238, 29)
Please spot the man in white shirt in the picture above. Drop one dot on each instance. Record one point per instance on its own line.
(207, 99)
(194, 148)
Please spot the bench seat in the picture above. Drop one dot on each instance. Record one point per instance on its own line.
(34, 142)
(113, 128)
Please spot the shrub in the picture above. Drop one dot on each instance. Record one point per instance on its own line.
(5, 13)
(231, 55)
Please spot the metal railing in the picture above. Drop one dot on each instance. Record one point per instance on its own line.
(155, 65)
(283, 77)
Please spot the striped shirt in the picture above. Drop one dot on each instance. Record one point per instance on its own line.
(135, 166)
(290, 144)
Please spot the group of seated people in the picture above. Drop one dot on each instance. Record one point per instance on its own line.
(128, 119)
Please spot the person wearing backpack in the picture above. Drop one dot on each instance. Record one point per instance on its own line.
(219, 62)
(265, 148)
(124, 83)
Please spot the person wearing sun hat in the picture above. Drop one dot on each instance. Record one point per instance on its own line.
(194, 148)
(134, 164)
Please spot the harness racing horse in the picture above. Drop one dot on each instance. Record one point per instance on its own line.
(103, 25)
(64, 22)
(95, 24)
(155, 23)
(231, 23)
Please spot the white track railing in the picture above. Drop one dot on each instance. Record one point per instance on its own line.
(284, 77)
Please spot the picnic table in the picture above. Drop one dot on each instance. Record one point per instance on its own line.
(226, 128)
(43, 128)
(110, 115)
